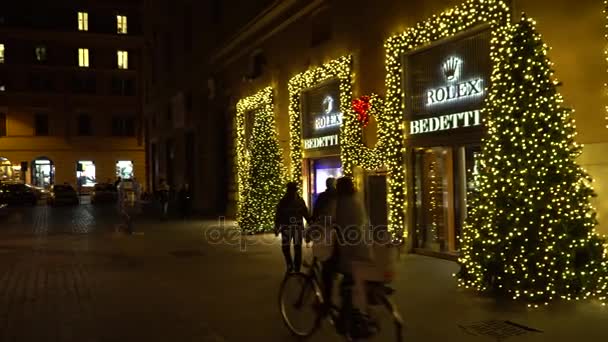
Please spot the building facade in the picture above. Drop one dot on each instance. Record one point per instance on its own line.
(317, 58)
(70, 92)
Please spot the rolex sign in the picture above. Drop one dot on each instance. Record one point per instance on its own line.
(447, 81)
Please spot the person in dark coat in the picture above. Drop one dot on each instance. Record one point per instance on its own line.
(289, 221)
(321, 209)
(163, 196)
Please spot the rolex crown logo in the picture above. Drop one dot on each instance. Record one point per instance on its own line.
(451, 68)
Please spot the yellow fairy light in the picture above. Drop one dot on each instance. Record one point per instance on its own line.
(260, 172)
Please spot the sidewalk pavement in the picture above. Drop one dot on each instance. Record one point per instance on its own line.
(433, 306)
(65, 275)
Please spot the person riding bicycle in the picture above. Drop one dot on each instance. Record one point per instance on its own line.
(350, 226)
(323, 236)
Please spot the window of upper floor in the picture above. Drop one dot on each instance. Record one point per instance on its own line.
(40, 53)
(122, 59)
(121, 24)
(83, 58)
(84, 84)
(41, 82)
(123, 126)
(84, 124)
(124, 87)
(83, 21)
(41, 126)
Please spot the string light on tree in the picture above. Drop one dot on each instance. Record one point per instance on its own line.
(260, 169)
(606, 50)
(531, 230)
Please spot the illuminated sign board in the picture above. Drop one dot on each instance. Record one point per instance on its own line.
(454, 90)
(446, 83)
(321, 116)
(324, 141)
(329, 117)
(446, 122)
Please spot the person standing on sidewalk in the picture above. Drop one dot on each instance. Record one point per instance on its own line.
(163, 194)
(289, 221)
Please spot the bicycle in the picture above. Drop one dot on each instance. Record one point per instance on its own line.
(300, 292)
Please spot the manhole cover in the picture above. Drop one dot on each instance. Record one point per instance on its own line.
(499, 330)
(187, 253)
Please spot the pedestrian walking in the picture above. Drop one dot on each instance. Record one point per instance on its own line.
(289, 222)
(185, 200)
(163, 194)
(117, 182)
(129, 192)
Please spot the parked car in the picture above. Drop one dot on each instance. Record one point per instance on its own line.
(63, 194)
(104, 193)
(17, 194)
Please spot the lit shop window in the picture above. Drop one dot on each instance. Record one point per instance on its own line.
(123, 59)
(83, 58)
(121, 24)
(1, 53)
(124, 169)
(83, 21)
(85, 173)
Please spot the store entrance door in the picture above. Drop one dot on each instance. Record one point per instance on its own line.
(43, 172)
(319, 170)
(444, 177)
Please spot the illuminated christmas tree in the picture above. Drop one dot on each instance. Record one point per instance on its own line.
(530, 233)
(265, 181)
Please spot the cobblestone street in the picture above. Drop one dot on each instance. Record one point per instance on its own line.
(66, 275)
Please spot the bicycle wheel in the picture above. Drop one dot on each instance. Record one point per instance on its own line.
(299, 303)
(385, 316)
(392, 328)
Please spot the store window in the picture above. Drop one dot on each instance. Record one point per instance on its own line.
(43, 172)
(321, 123)
(83, 21)
(121, 24)
(6, 170)
(432, 187)
(85, 174)
(83, 58)
(322, 169)
(1, 53)
(124, 169)
(445, 126)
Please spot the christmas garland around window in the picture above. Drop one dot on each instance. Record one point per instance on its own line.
(339, 69)
(466, 16)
